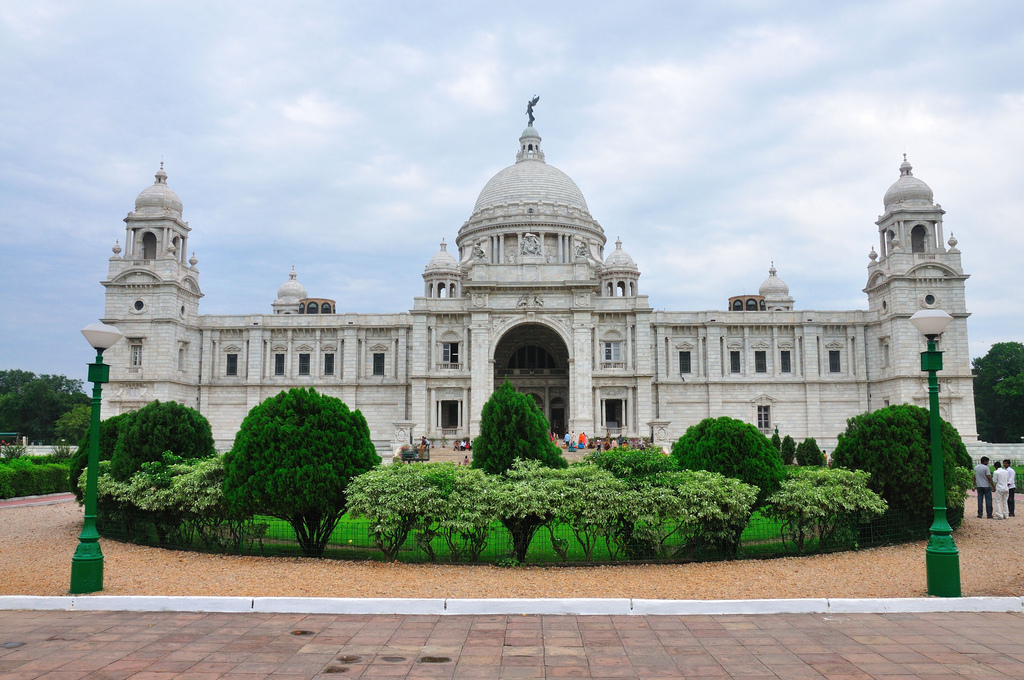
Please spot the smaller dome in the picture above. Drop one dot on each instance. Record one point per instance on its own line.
(158, 198)
(291, 289)
(773, 286)
(619, 258)
(908, 189)
(530, 131)
(443, 260)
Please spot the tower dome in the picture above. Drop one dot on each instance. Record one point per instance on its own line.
(159, 197)
(775, 293)
(291, 289)
(908, 190)
(442, 261)
(619, 258)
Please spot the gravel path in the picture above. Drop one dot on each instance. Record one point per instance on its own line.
(36, 545)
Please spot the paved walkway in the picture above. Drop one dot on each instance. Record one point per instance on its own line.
(151, 646)
(48, 499)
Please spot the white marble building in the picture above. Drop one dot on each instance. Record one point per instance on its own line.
(529, 293)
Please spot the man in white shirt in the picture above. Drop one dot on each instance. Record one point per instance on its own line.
(1011, 482)
(1002, 492)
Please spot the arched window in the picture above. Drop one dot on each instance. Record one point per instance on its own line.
(737, 305)
(149, 246)
(632, 289)
(917, 238)
(762, 306)
(451, 290)
(177, 246)
(325, 308)
(442, 290)
(751, 305)
(611, 289)
(621, 289)
(312, 308)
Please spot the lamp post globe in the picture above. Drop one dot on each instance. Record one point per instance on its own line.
(87, 562)
(942, 560)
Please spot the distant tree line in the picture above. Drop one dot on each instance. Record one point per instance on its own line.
(43, 407)
(999, 393)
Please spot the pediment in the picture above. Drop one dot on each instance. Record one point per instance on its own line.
(379, 348)
(329, 348)
(304, 348)
(279, 348)
(763, 399)
(785, 344)
(136, 277)
(834, 345)
(761, 345)
(735, 345)
(684, 346)
(233, 349)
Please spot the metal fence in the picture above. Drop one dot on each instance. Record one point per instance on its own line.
(552, 544)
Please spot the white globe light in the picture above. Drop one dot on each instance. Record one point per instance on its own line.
(100, 336)
(931, 321)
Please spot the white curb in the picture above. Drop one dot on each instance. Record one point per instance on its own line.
(920, 605)
(511, 606)
(692, 607)
(578, 606)
(348, 605)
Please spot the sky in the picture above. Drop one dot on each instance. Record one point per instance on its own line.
(348, 139)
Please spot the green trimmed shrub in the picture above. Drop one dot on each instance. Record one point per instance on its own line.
(22, 477)
(732, 448)
(588, 504)
(513, 428)
(293, 459)
(777, 441)
(157, 428)
(110, 430)
(821, 502)
(527, 497)
(808, 454)
(788, 450)
(893, 445)
(633, 464)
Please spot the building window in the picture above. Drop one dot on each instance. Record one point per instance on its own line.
(136, 354)
(450, 352)
(613, 351)
(449, 414)
(885, 356)
(761, 361)
(328, 364)
(784, 361)
(833, 361)
(734, 361)
(232, 364)
(278, 364)
(378, 363)
(303, 364)
(764, 418)
(181, 358)
(684, 362)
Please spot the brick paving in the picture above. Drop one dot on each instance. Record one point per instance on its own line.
(190, 646)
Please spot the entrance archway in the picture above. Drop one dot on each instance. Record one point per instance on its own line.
(535, 360)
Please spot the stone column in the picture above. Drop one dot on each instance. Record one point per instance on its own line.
(582, 385)
(482, 379)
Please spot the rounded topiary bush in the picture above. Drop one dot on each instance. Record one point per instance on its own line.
(808, 454)
(733, 448)
(893, 445)
(293, 459)
(158, 428)
(513, 428)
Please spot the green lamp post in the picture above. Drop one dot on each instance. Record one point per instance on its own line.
(942, 561)
(87, 563)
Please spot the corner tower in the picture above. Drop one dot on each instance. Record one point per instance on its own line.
(152, 296)
(912, 270)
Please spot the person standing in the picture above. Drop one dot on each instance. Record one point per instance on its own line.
(1011, 482)
(567, 438)
(983, 484)
(1002, 492)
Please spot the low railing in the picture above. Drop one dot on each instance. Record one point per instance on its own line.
(449, 367)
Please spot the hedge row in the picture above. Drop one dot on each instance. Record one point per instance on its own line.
(26, 479)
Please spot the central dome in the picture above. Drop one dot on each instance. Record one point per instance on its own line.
(530, 180)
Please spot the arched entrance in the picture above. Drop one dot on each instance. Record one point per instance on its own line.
(535, 359)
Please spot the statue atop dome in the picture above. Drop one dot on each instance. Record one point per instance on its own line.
(529, 108)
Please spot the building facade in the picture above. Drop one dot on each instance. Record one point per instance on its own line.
(529, 294)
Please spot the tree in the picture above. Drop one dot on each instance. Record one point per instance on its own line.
(893, 444)
(527, 497)
(999, 393)
(808, 454)
(158, 428)
(513, 428)
(293, 459)
(31, 404)
(733, 448)
(74, 424)
(788, 450)
(776, 440)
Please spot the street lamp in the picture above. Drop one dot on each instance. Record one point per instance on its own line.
(942, 561)
(87, 563)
